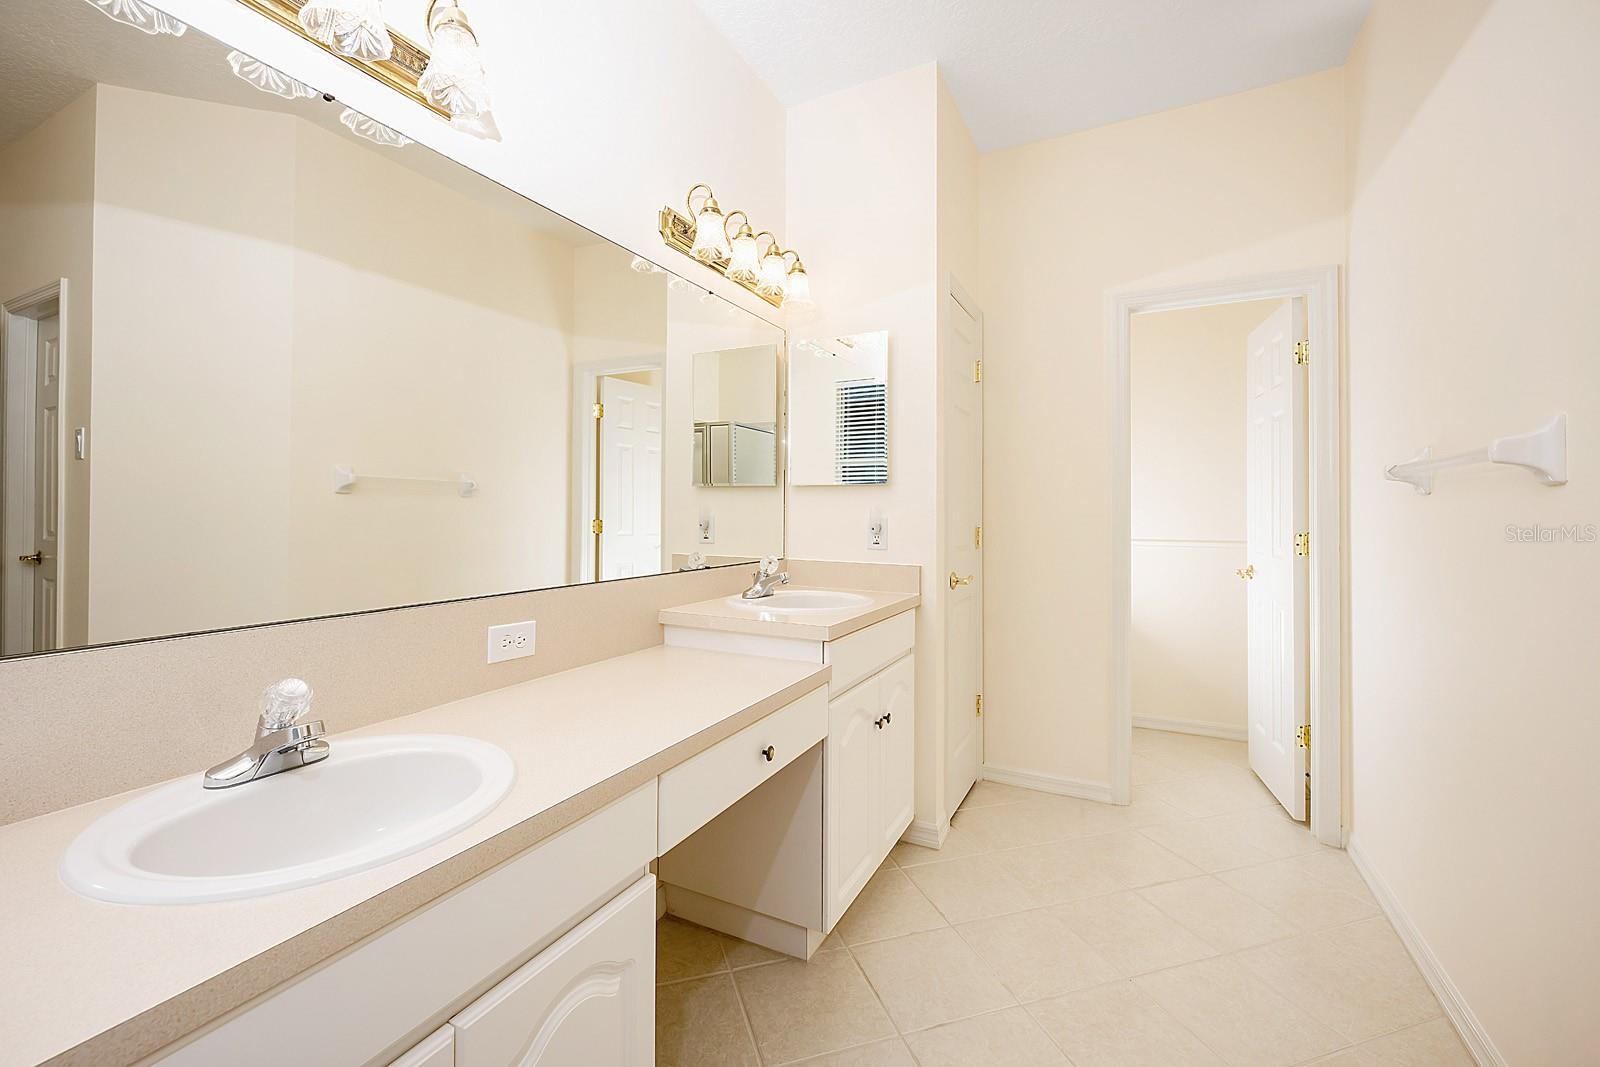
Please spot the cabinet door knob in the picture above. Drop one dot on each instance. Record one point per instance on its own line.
(878, 722)
(769, 752)
(887, 718)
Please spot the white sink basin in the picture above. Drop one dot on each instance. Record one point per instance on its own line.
(801, 602)
(372, 800)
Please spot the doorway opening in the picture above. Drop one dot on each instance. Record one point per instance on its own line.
(618, 502)
(1226, 566)
(32, 358)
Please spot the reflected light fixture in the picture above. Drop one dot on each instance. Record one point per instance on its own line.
(372, 129)
(141, 16)
(774, 270)
(710, 231)
(454, 79)
(640, 265)
(268, 79)
(353, 28)
(743, 266)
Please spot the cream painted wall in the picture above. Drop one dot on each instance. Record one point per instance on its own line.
(1228, 188)
(47, 225)
(1474, 261)
(607, 111)
(863, 206)
(1187, 427)
(194, 252)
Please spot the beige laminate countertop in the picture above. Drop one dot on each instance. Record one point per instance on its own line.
(752, 618)
(83, 981)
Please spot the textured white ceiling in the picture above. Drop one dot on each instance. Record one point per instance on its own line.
(1021, 70)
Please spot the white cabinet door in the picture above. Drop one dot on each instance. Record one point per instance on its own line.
(854, 825)
(587, 1000)
(438, 1049)
(898, 703)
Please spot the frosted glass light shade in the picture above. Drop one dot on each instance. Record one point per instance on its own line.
(352, 28)
(710, 239)
(798, 292)
(774, 275)
(745, 266)
(454, 78)
(268, 79)
(141, 16)
(372, 129)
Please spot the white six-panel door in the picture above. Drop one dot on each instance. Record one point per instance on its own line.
(962, 588)
(1276, 511)
(630, 479)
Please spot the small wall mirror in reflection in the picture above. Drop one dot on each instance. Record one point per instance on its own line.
(736, 417)
(839, 410)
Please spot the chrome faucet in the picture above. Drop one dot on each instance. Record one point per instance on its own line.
(765, 579)
(283, 742)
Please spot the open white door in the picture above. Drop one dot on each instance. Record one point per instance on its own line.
(630, 478)
(30, 457)
(1277, 564)
(963, 522)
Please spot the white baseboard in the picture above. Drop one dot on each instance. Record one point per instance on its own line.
(1455, 1006)
(1184, 726)
(924, 833)
(1048, 783)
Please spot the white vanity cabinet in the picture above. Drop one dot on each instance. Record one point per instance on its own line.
(869, 773)
(587, 999)
(820, 830)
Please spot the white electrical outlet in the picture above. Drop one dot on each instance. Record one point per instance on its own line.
(708, 529)
(877, 532)
(513, 640)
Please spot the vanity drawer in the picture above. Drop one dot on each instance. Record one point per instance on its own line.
(695, 792)
(855, 656)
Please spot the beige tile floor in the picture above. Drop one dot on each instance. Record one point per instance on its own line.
(1198, 925)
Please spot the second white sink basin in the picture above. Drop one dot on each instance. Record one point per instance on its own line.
(802, 602)
(372, 800)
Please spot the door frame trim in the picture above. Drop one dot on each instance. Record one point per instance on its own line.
(1319, 287)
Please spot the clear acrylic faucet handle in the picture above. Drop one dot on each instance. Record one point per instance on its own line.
(769, 565)
(283, 703)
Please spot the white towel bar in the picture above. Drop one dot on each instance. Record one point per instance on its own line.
(1544, 452)
(345, 479)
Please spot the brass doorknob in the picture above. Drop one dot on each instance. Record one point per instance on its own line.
(33, 561)
(769, 752)
(1246, 572)
(956, 580)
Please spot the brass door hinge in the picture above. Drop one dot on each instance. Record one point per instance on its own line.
(1305, 737)
(977, 537)
(1302, 544)
(599, 411)
(980, 705)
(977, 370)
(597, 526)
(1302, 353)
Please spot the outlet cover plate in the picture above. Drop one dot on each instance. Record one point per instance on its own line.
(512, 640)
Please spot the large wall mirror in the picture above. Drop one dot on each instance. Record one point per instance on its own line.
(258, 366)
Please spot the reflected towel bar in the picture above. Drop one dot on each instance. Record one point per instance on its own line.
(345, 479)
(1543, 452)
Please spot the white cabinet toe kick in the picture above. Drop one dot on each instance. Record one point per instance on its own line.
(782, 863)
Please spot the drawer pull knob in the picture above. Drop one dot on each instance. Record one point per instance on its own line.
(878, 723)
(769, 752)
(887, 718)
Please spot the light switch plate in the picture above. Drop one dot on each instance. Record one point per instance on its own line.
(512, 640)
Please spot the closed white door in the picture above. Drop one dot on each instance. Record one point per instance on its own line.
(963, 586)
(630, 478)
(897, 701)
(853, 829)
(1276, 568)
(588, 999)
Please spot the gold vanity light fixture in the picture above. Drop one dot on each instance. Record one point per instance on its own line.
(449, 81)
(729, 245)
